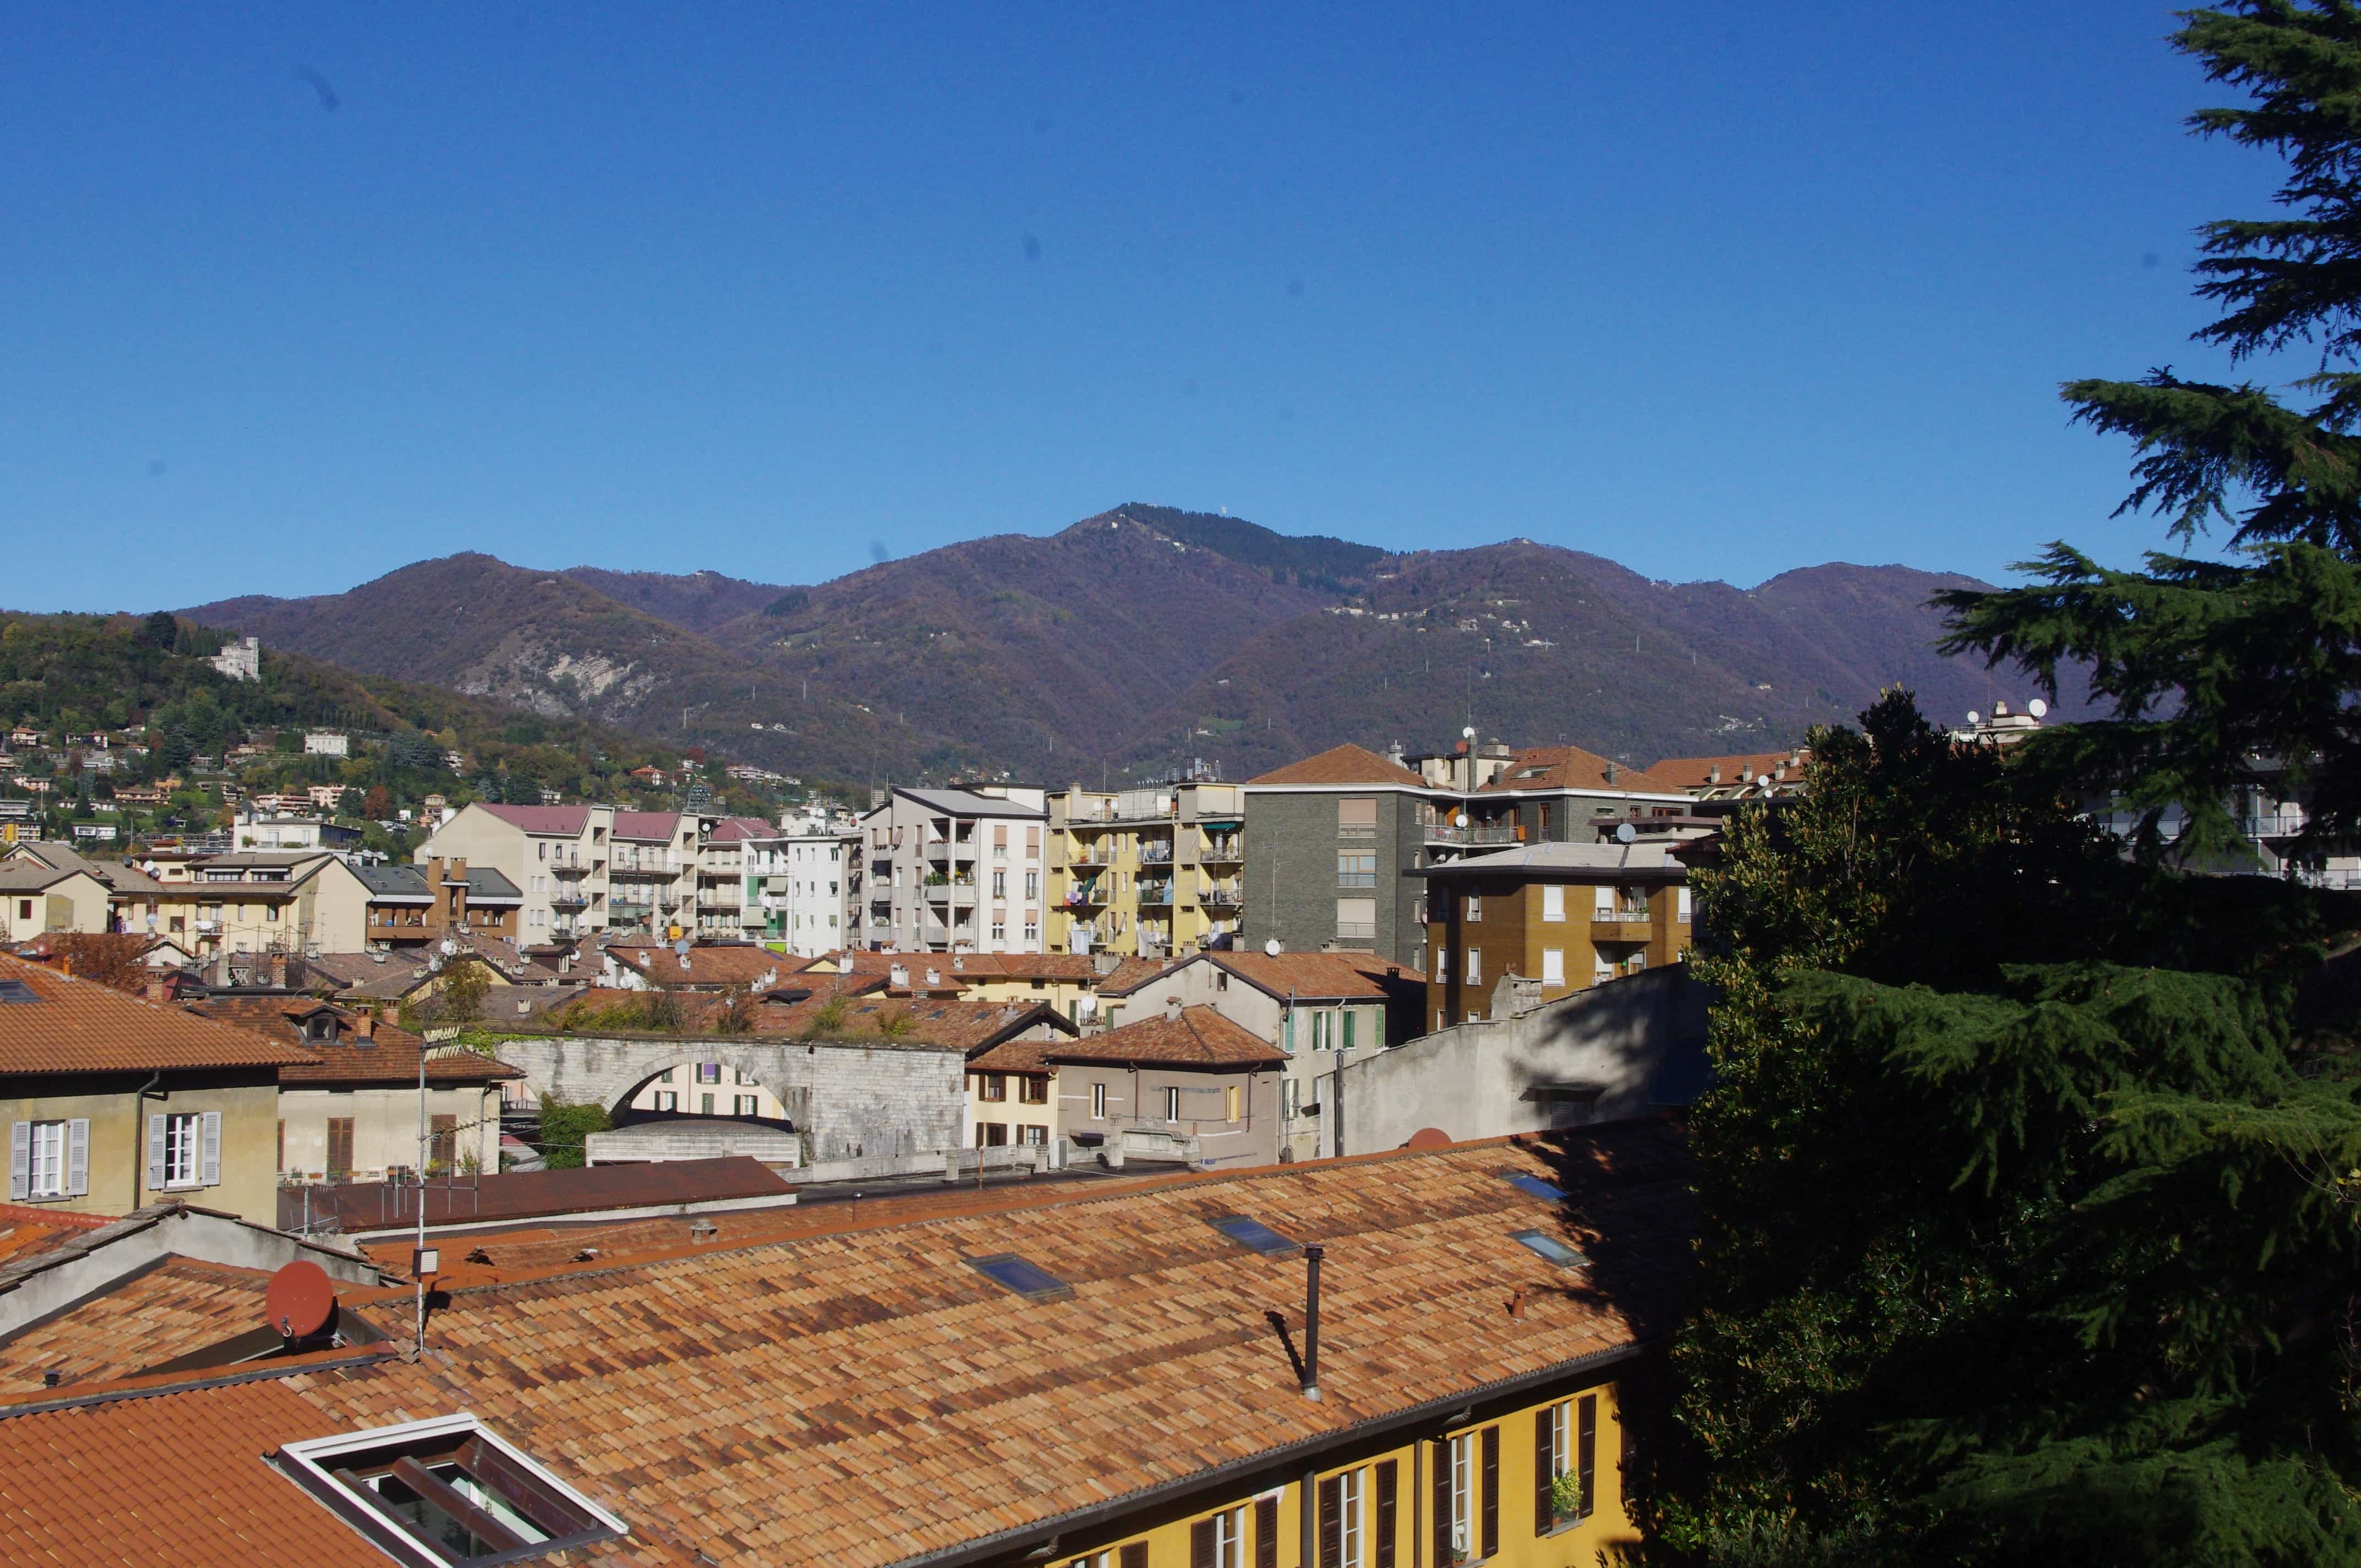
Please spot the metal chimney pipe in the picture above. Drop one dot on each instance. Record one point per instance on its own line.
(1311, 1257)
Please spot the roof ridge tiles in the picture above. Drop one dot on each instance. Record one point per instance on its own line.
(155, 1385)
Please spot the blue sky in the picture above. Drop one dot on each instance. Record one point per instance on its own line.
(290, 297)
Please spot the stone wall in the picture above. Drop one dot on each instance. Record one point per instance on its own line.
(853, 1099)
(1629, 1048)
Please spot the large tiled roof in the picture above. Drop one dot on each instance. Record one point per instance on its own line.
(718, 965)
(738, 829)
(968, 803)
(563, 820)
(388, 1055)
(862, 1397)
(924, 1020)
(1199, 1037)
(1571, 767)
(124, 880)
(395, 880)
(144, 1321)
(77, 1025)
(1346, 976)
(648, 826)
(1346, 764)
(32, 876)
(545, 1194)
(1696, 773)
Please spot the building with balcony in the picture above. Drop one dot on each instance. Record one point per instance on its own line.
(1559, 917)
(954, 870)
(1152, 873)
(803, 880)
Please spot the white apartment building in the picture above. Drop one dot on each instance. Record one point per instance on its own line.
(598, 867)
(803, 880)
(954, 870)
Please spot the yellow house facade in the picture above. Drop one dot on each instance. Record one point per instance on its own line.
(1152, 873)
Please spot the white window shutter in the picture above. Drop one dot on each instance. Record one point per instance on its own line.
(156, 1153)
(20, 1161)
(211, 1174)
(78, 1157)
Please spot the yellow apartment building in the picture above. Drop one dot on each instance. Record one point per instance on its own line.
(1153, 873)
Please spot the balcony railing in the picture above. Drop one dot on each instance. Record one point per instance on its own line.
(1481, 833)
(1156, 854)
(568, 901)
(1158, 893)
(1356, 930)
(1224, 851)
(1221, 897)
(1088, 893)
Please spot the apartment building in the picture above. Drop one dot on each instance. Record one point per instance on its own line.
(804, 880)
(1152, 873)
(1474, 1410)
(598, 867)
(1557, 918)
(411, 906)
(959, 870)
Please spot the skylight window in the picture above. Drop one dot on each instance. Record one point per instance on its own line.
(446, 1492)
(1249, 1232)
(18, 991)
(1551, 1249)
(1534, 1185)
(1028, 1279)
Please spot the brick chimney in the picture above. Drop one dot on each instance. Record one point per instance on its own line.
(365, 1026)
(278, 972)
(1172, 1005)
(160, 989)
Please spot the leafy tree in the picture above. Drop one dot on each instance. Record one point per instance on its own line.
(2027, 1224)
(565, 1130)
(377, 804)
(2209, 665)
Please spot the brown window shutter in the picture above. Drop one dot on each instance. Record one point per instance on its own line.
(1491, 1547)
(1332, 1522)
(1545, 1469)
(1201, 1544)
(1132, 1556)
(1442, 1503)
(1387, 1506)
(1586, 1448)
(1266, 1533)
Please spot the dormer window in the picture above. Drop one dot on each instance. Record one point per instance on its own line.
(446, 1492)
(321, 1029)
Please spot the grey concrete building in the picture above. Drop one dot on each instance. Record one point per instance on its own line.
(954, 870)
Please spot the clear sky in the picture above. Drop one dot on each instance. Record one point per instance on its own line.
(290, 297)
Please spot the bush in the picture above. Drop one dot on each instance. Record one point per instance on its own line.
(565, 1129)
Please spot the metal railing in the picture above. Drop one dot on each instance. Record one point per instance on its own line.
(1482, 833)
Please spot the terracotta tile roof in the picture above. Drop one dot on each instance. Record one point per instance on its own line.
(877, 1424)
(1696, 772)
(77, 1025)
(1071, 968)
(721, 965)
(1131, 971)
(1199, 1037)
(1354, 975)
(566, 820)
(203, 1496)
(177, 1307)
(27, 1230)
(950, 1022)
(1346, 764)
(1571, 767)
(738, 829)
(388, 1055)
(542, 1195)
(659, 826)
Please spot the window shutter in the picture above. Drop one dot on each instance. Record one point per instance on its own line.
(1266, 1533)
(210, 1175)
(20, 1161)
(1388, 1506)
(78, 1157)
(1442, 1502)
(1491, 1491)
(1586, 1448)
(1132, 1556)
(1545, 1469)
(1332, 1522)
(155, 1154)
(1201, 1544)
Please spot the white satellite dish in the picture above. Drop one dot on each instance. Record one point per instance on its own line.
(1271, 947)
(1626, 833)
(1468, 733)
(1974, 718)
(2038, 709)
(681, 946)
(1460, 820)
(449, 947)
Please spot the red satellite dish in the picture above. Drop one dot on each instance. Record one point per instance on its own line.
(1429, 1138)
(300, 1300)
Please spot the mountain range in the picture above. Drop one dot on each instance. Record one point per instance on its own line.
(1144, 637)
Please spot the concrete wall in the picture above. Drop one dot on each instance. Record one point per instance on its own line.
(854, 1101)
(248, 1104)
(1637, 1041)
(385, 1127)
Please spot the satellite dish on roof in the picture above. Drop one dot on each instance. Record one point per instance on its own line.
(299, 1301)
(1974, 718)
(681, 946)
(1625, 833)
(1468, 733)
(1271, 947)
(2038, 709)
(1460, 820)
(449, 947)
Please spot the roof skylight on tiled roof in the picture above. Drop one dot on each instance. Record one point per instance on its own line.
(1534, 1185)
(1249, 1232)
(1028, 1280)
(18, 991)
(1550, 1248)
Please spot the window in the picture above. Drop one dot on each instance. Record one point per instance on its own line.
(1032, 933)
(1566, 1444)
(1000, 931)
(1356, 818)
(1474, 910)
(1467, 1495)
(1355, 870)
(705, 1104)
(1098, 1102)
(1021, 1274)
(746, 1105)
(1038, 1137)
(450, 1486)
(709, 1072)
(667, 1100)
(1351, 1017)
(1000, 883)
(1172, 1104)
(992, 1086)
(1603, 904)
(1356, 919)
(1032, 884)
(340, 1147)
(1033, 1089)
(1553, 905)
(1549, 1247)
(1219, 1541)
(1553, 966)
(443, 1143)
(1230, 1103)
(1681, 909)
(184, 1150)
(1475, 965)
(48, 1159)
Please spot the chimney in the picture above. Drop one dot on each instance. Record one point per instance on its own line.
(365, 1026)
(278, 972)
(1713, 773)
(1311, 1257)
(1517, 1306)
(1613, 774)
(1172, 1010)
(160, 989)
(65, 965)
(898, 976)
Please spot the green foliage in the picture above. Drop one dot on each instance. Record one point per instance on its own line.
(658, 1012)
(565, 1130)
(788, 603)
(2027, 1232)
(2206, 665)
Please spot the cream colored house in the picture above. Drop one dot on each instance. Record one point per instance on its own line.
(36, 899)
(263, 901)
